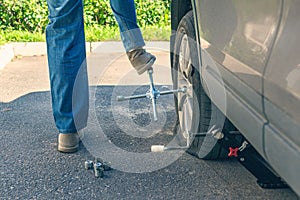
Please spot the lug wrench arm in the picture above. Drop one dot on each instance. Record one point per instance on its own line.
(152, 94)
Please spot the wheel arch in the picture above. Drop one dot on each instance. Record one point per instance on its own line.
(178, 10)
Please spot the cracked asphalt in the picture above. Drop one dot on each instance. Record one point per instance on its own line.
(32, 168)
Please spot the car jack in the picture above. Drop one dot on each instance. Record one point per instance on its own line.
(152, 94)
(253, 162)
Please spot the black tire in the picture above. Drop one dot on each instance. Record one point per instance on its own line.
(203, 113)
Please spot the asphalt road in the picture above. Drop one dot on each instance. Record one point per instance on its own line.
(119, 132)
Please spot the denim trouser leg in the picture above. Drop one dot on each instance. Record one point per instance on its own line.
(67, 64)
(124, 11)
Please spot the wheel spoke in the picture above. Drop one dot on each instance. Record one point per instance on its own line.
(189, 108)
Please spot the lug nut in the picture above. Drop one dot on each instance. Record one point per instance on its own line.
(88, 164)
(99, 170)
(106, 165)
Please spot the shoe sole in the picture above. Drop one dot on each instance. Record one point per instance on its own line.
(68, 149)
(147, 66)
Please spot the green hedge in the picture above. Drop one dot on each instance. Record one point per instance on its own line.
(31, 15)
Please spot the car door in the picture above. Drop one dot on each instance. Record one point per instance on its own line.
(238, 35)
(282, 98)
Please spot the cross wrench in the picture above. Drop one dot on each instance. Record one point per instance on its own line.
(152, 94)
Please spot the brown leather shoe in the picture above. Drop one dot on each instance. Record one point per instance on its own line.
(68, 143)
(141, 60)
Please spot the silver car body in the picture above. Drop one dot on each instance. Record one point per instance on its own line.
(255, 46)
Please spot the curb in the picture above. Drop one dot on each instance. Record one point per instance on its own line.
(6, 54)
(9, 51)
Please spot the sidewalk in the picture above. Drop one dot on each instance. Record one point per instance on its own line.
(107, 65)
(15, 49)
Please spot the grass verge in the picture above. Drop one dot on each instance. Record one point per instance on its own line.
(20, 36)
(93, 34)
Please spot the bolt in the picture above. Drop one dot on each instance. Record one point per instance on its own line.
(242, 159)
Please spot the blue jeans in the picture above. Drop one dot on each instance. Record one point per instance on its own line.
(124, 11)
(67, 57)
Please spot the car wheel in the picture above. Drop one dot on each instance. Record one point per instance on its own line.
(195, 111)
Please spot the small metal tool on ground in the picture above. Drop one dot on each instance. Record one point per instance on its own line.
(152, 94)
(98, 166)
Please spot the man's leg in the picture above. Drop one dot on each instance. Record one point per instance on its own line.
(125, 14)
(67, 67)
